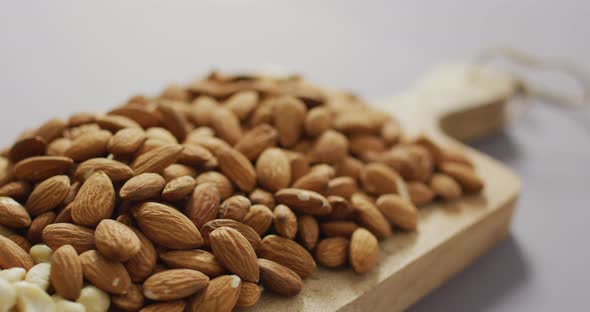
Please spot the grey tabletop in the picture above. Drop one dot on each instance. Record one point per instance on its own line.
(59, 57)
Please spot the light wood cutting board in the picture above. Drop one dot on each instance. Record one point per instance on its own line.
(450, 235)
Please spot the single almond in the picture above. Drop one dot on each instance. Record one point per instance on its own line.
(378, 179)
(176, 171)
(465, 175)
(116, 241)
(364, 251)
(255, 141)
(342, 186)
(331, 147)
(273, 169)
(242, 104)
(143, 263)
(316, 179)
(12, 214)
(220, 296)
(304, 201)
(318, 120)
(126, 141)
(332, 252)
(143, 116)
(262, 197)
(66, 272)
(81, 118)
(250, 294)
(419, 193)
(391, 132)
(170, 306)
(299, 165)
(89, 145)
(21, 242)
(203, 205)
(59, 234)
(285, 222)
(51, 130)
(13, 256)
(248, 232)
(279, 279)
(48, 194)
(174, 284)
(173, 119)
(16, 189)
(35, 231)
(364, 143)
(259, 218)
(143, 187)
(220, 181)
(95, 200)
(398, 211)
(27, 147)
(115, 170)
(157, 159)
(202, 110)
(288, 253)
(445, 186)
(235, 253)
(195, 155)
(263, 114)
(179, 188)
(58, 147)
(357, 122)
(133, 300)
(338, 228)
(349, 167)
(308, 231)
(341, 208)
(235, 207)
(194, 259)
(41, 167)
(369, 216)
(161, 134)
(114, 123)
(226, 125)
(167, 226)
(289, 117)
(65, 215)
(236, 167)
(107, 275)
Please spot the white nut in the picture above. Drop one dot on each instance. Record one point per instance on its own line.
(4, 231)
(39, 275)
(41, 253)
(94, 299)
(63, 305)
(7, 295)
(31, 298)
(13, 275)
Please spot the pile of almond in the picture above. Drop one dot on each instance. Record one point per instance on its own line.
(206, 195)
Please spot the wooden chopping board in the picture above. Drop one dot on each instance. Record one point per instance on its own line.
(451, 235)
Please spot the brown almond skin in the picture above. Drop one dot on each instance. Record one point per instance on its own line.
(378, 179)
(304, 201)
(288, 253)
(285, 222)
(235, 207)
(145, 117)
(226, 125)
(248, 232)
(279, 279)
(242, 103)
(13, 256)
(59, 234)
(142, 264)
(110, 276)
(41, 167)
(35, 231)
(259, 218)
(157, 159)
(465, 175)
(445, 186)
(369, 216)
(331, 147)
(66, 274)
(48, 194)
(195, 155)
(126, 141)
(332, 252)
(195, 259)
(143, 187)
(95, 200)
(317, 121)
(12, 214)
(115, 170)
(308, 231)
(349, 167)
(174, 284)
(177, 170)
(316, 179)
(133, 300)
(236, 167)
(420, 193)
(16, 190)
(220, 296)
(289, 117)
(171, 306)
(179, 188)
(299, 165)
(167, 226)
(51, 130)
(273, 170)
(89, 145)
(342, 186)
(203, 205)
(341, 208)
(262, 197)
(220, 181)
(116, 241)
(255, 141)
(338, 228)
(173, 120)
(27, 147)
(398, 211)
(21, 242)
(235, 253)
(250, 294)
(364, 251)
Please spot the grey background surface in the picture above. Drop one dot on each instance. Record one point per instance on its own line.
(58, 57)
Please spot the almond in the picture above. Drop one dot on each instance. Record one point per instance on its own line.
(289, 116)
(176, 171)
(364, 251)
(51, 130)
(342, 186)
(12, 214)
(378, 179)
(288, 253)
(167, 227)
(454, 155)
(66, 272)
(16, 190)
(303, 201)
(220, 296)
(220, 181)
(48, 194)
(309, 231)
(157, 159)
(236, 167)
(332, 252)
(273, 169)
(13, 256)
(263, 113)
(362, 144)
(445, 186)
(27, 147)
(95, 200)
(242, 104)
(59, 234)
(81, 118)
(279, 279)
(195, 155)
(116, 171)
(420, 193)
(143, 116)
(250, 294)
(21, 242)
(349, 167)
(235, 253)
(105, 274)
(171, 306)
(116, 241)
(126, 141)
(161, 134)
(341, 208)
(203, 205)
(202, 110)
(391, 132)
(89, 145)
(259, 218)
(262, 197)
(370, 217)
(114, 123)
(316, 180)
(143, 187)
(195, 259)
(398, 211)
(464, 174)
(173, 119)
(357, 122)
(179, 188)
(317, 121)
(143, 263)
(338, 228)
(174, 284)
(41, 167)
(248, 232)
(65, 215)
(255, 141)
(285, 222)
(35, 231)
(235, 207)
(331, 147)
(299, 165)
(226, 125)
(133, 300)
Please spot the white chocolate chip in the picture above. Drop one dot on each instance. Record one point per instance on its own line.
(63, 305)
(7, 295)
(13, 275)
(94, 299)
(41, 253)
(39, 275)
(31, 298)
